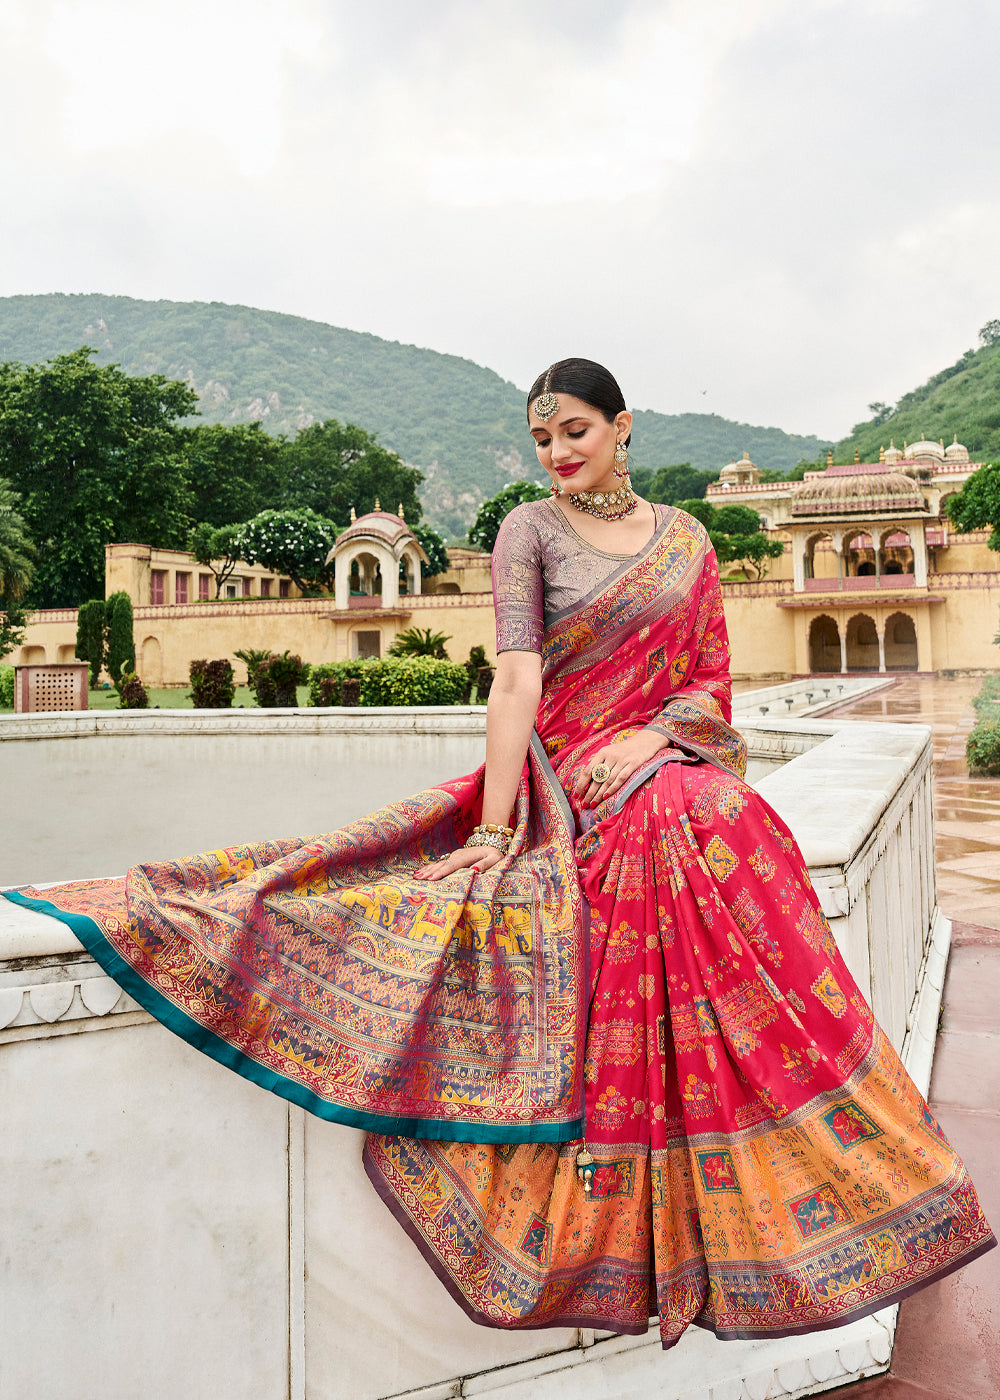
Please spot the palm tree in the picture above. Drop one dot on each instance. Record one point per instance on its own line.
(420, 641)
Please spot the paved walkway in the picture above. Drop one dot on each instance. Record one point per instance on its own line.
(948, 1338)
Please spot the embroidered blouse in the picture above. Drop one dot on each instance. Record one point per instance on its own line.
(541, 567)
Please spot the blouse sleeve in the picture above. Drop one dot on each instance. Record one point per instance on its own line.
(518, 590)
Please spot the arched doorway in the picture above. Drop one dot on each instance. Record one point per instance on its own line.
(900, 643)
(824, 644)
(862, 644)
(820, 559)
(860, 556)
(896, 552)
(151, 662)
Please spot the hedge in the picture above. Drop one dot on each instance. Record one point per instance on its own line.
(6, 687)
(393, 680)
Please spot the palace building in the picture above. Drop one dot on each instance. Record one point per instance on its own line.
(874, 577)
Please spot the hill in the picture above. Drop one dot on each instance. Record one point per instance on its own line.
(460, 423)
(963, 400)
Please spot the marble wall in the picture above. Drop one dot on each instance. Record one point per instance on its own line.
(178, 1232)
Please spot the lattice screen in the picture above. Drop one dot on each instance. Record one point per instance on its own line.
(51, 688)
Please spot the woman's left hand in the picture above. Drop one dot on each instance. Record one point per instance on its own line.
(623, 759)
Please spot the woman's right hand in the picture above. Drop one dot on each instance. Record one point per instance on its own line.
(465, 858)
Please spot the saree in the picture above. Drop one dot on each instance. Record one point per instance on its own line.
(763, 1165)
(655, 974)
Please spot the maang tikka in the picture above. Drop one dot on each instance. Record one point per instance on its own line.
(546, 405)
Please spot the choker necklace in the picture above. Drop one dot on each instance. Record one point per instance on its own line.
(605, 505)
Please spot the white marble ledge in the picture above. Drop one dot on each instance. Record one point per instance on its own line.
(25, 933)
(394, 719)
(699, 1368)
(834, 795)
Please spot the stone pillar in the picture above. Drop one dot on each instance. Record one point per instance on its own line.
(390, 581)
(880, 633)
(918, 543)
(877, 542)
(799, 563)
(838, 544)
(342, 583)
(843, 647)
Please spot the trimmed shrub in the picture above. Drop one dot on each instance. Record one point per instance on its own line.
(90, 637)
(120, 655)
(6, 687)
(212, 685)
(132, 694)
(982, 747)
(409, 680)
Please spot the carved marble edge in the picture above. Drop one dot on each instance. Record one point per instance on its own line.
(30, 1011)
(698, 1368)
(446, 720)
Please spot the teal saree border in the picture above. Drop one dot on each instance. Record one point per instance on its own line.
(175, 1020)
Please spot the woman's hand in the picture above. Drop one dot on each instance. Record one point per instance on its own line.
(476, 857)
(623, 759)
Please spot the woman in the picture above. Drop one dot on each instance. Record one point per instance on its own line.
(605, 931)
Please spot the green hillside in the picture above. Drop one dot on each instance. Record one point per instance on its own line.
(963, 400)
(461, 424)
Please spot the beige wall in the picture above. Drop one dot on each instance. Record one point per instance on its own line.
(169, 638)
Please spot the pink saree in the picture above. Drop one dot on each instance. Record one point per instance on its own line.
(656, 974)
(764, 1166)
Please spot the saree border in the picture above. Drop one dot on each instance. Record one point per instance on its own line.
(208, 1043)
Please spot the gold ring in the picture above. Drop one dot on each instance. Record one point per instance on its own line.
(600, 773)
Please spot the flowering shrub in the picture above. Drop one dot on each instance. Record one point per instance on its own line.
(291, 542)
(402, 680)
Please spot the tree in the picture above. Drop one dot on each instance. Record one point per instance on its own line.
(97, 457)
(879, 412)
(233, 471)
(435, 549)
(420, 641)
(17, 555)
(736, 535)
(491, 513)
(678, 483)
(90, 637)
(218, 549)
(330, 467)
(291, 542)
(120, 653)
(990, 333)
(977, 505)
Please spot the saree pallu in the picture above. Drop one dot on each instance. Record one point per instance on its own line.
(763, 1164)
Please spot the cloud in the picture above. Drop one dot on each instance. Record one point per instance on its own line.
(789, 206)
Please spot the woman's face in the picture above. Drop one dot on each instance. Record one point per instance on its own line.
(577, 445)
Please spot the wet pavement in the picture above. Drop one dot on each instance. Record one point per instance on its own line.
(948, 1337)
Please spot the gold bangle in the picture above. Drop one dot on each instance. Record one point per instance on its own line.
(499, 830)
(496, 839)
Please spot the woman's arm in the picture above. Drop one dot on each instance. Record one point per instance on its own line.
(510, 715)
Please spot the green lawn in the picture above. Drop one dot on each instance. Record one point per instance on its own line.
(179, 698)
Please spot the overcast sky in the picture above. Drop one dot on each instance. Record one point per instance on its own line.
(776, 210)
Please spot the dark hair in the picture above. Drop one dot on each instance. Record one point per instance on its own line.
(585, 380)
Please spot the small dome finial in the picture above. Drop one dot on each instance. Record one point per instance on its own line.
(829, 456)
(353, 515)
(746, 456)
(378, 504)
(857, 455)
(881, 454)
(400, 512)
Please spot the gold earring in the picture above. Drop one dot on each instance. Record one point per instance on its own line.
(621, 460)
